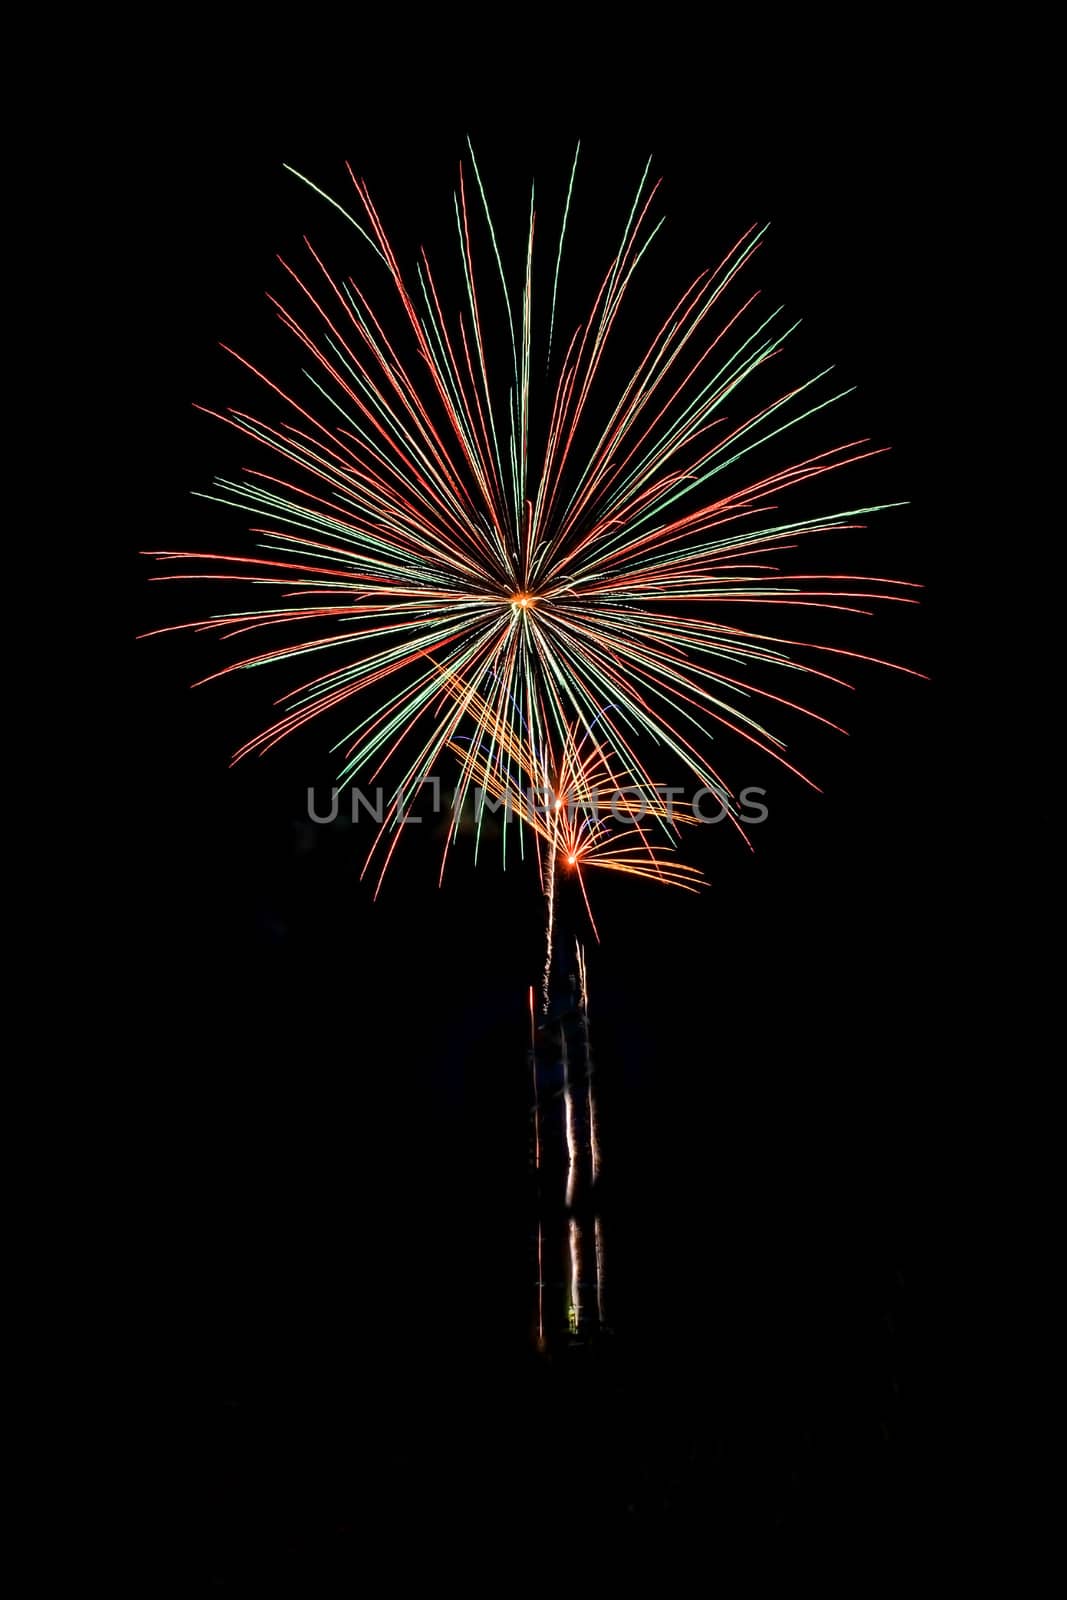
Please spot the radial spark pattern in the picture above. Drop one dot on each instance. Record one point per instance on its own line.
(465, 544)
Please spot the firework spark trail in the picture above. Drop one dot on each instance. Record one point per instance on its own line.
(594, 1125)
(536, 1102)
(574, 1241)
(568, 1121)
(594, 1128)
(550, 930)
(428, 529)
(540, 1283)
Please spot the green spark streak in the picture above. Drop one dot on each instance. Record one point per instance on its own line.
(330, 201)
(559, 254)
(499, 262)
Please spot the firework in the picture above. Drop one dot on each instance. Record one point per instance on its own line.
(481, 553)
(581, 812)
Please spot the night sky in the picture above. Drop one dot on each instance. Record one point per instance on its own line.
(346, 1079)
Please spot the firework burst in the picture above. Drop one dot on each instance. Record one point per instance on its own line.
(458, 551)
(581, 813)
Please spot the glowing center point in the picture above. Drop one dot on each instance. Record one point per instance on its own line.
(522, 601)
(571, 860)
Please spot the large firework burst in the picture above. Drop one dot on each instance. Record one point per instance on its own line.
(470, 556)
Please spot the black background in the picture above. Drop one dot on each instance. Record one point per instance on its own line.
(346, 1079)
